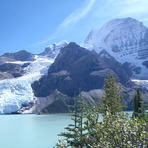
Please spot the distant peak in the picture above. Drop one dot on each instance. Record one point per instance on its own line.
(122, 22)
(116, 28)
(125, 39)
(53, 50)
(64, 43)
(73, 44)
(126, 19)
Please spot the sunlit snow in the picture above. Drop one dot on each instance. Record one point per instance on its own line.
(123, 42)
(143, 83)
(16, 92)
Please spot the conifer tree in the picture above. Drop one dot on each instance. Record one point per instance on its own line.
(75, 132)
(111, 100)
(114, 130)
(138, 106)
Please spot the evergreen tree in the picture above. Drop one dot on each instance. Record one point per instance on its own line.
(111, 100)
(138, 106)
(114, 130)
(75, 135)
(91, 124)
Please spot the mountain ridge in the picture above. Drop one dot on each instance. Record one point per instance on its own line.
(76, 69)
(21, 55)
(126, 40)
(63, 69)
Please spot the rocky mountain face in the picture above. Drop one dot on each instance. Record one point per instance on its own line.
(145, 63)
(12, 70)
(46, 82)
(76, 69)
(126, 40)
(21, 55)
(5, 59)
(11, 66)
(17, 72)
(5, 75)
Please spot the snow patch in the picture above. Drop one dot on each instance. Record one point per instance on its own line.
(143, 83)
(124, 39)
(18, 91)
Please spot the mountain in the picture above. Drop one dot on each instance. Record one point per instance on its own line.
(5, 75)
(126, 39)
(53, 50)
(5, 59)
(13, 65)
(76, 69)
(17, 72)
(21, 55)
(46, 82)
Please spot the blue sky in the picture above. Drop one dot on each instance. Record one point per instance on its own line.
(34, 24)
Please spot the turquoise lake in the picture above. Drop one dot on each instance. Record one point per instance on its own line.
(32, 131)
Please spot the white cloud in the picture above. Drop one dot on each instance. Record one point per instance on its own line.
(70, 20)
(77, 15)
(102, 11)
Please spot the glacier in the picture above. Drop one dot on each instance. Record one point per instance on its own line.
(18, 91)
(125, 39)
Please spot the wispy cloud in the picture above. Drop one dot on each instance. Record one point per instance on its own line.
(70, 20)
(102, 11)
(77, 15)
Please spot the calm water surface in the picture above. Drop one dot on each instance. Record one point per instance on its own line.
(32, 131)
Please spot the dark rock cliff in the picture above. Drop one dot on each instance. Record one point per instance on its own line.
(76, 69)
(10, 70)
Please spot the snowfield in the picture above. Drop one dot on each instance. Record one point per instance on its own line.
(18, 91)
(123, 42)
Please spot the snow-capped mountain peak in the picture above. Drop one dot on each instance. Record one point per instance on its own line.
(126, 39)
(53, 50)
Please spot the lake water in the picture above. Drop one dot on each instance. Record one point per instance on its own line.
(32, 131)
